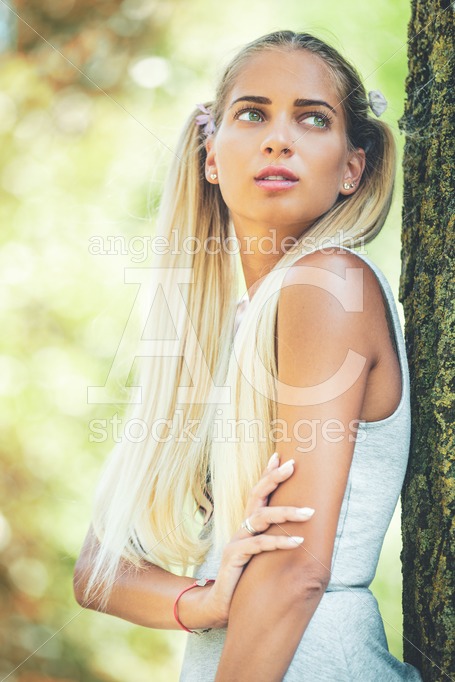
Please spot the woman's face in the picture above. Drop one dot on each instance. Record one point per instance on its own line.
(296, 124)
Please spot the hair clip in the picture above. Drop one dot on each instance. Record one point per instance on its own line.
(377, 102)
(205, 119)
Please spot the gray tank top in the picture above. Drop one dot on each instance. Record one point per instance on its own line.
(345, 639)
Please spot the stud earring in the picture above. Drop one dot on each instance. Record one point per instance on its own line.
(213, 176)
(348, 185)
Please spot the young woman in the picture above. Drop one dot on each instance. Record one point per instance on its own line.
(311, 365)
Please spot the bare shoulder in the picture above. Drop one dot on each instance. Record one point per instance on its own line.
(333, 293)
(338, 272)
(337, 261)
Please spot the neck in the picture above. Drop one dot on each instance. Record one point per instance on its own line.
(260, 251)
(256, 266)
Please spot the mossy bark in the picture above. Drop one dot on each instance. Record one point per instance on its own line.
(427, 291)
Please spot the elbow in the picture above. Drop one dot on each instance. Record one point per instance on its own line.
(96, 599)
(80, 584)
(82, 572)
(310, 585)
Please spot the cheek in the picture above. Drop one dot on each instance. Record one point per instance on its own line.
(325, 175)
(329, 154)
(232, 194)
(228, 180)
(233, 148)
(230, 157)
(327, 178)
(230, 152)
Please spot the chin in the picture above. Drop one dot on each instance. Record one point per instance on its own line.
(280, 219)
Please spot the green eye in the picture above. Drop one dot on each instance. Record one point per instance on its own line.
(249, 115)
(318, 121)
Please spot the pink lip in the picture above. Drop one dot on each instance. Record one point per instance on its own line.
(274, 185)
(276, 170)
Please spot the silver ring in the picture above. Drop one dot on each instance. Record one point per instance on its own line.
(247, 525)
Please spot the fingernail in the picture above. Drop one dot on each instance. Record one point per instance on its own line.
(274, 458)
(287, 465)
(296, 539)
(307, 512)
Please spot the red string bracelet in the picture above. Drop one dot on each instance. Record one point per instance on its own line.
(198, 583)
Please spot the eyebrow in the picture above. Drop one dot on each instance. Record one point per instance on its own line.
(297, 102)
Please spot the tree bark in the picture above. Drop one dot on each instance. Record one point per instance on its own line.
(427, 291)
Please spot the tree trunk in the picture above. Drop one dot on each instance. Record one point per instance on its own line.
(427, 291)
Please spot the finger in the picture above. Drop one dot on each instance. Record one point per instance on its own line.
(242, 551)
(262, 518)
(266, 485)
(273, 478)
(272, 463)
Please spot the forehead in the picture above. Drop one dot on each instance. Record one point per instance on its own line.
(285, 74)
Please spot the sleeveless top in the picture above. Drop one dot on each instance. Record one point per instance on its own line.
(345, 639)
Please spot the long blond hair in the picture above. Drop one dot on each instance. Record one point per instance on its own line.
(151, 491)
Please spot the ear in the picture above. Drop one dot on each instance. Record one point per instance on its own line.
(355, 165)
(210, 161)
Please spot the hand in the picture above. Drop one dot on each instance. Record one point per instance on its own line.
(242, 546)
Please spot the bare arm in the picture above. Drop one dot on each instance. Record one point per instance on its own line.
(278, 594)
(146, 597)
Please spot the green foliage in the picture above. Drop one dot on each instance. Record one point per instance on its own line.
(78, 164)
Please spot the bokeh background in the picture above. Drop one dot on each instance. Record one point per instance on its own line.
(92, 98)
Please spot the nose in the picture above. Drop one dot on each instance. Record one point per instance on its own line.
(277, 141)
